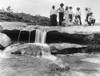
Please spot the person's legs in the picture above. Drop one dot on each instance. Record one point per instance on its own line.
(80, 20)
(89, 23)
(54, 20)
(93, 21)
(61, 15)
(87, 16)
(70, 17)
(75, 20)
(60, 19)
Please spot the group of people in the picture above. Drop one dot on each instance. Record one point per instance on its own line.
(67, 17)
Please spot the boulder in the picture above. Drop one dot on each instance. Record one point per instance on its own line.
(4, 40)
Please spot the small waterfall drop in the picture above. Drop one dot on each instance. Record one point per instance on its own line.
(40, 36)
(40, 39)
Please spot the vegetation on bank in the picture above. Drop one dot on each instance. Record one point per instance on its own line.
(10, 16)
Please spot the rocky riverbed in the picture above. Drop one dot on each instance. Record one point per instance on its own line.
(72, 51)
(78, 65)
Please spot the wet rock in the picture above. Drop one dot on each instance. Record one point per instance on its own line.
(24, 35)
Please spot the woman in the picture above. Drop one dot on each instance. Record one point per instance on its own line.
(61, 14)
(66, 16)
(53, 16)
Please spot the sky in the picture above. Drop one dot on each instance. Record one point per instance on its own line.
(42, 7)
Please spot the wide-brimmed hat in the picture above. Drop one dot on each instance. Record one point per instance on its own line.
(86, 8)
(61, 4)
(70, 7)
(78, 8)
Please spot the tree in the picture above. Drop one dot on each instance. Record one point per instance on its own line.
(9, 9)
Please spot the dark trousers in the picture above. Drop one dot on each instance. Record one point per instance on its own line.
(91, 22)
(78, 17)
(53, 20)
(61, 15)
(87, 16)
(70, 17)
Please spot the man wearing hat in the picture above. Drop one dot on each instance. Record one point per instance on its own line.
(61, 13)
(78, 16)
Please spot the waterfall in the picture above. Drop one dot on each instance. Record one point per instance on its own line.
(40, 36)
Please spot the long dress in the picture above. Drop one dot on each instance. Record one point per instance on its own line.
(53, 17)
(66, 16)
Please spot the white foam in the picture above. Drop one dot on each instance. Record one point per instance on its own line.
(50, 57)
(93, 60)
(5, 56)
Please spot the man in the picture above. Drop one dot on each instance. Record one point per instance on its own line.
(61, 14)
(87, 14)
(78, 16)
(70, 14)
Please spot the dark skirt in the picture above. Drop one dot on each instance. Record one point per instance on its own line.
(53, 20)
(61, 15)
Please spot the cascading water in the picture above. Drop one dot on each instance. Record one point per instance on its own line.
(40, 36)
(40, 39)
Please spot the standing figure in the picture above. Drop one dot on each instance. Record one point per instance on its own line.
(78, 16)
(66, 16)
(87, 14)
(53, 16)
(61, 14)
(70, 14)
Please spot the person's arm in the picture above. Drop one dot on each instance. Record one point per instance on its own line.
(58, 9)
(50, 12)
(56, 12)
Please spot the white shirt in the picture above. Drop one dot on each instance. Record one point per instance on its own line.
(78, 13)
(86, 12)
(70, 12)
(53, 11)
(61, 9)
